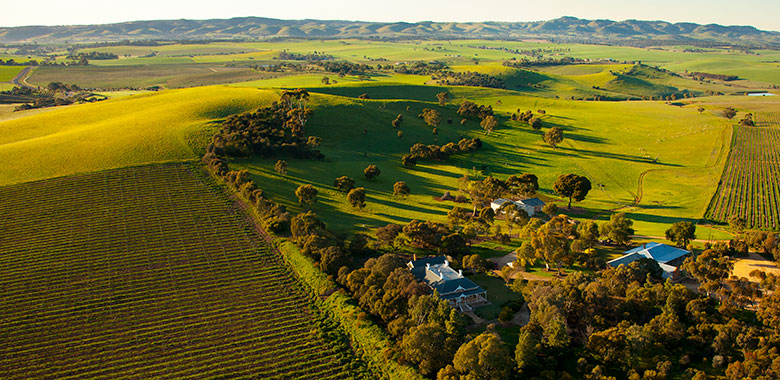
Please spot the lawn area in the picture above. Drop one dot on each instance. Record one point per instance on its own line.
(497, 293)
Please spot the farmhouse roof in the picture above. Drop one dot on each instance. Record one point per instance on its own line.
(436, 272)
(533, 202)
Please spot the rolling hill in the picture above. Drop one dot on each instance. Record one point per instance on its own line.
(634, 32)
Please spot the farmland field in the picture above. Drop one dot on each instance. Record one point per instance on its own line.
(148, 272)
(7, 73)
(750, 185)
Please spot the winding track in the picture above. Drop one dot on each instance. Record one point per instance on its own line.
(21, 78)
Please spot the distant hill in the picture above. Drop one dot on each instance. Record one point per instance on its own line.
(633, 32)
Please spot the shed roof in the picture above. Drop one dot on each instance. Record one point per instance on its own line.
(533, 202)
(659, 252)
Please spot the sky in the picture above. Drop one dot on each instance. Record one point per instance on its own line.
(762, 14)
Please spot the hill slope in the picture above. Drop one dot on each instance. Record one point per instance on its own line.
(564, 28)
(166, 126)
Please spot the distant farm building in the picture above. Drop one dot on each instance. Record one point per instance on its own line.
(531, 205)
(462, 293)
(668, 258)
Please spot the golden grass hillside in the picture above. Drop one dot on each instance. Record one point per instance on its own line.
(138, 129)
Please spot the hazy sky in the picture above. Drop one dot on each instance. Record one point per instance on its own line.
(762, 14)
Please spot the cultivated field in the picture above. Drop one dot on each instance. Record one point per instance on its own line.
(750, 185)
(148, 272)
(133, 130)
(7, 73)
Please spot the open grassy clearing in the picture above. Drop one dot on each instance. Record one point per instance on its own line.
(154, 127)
(611, 143)
(148, 272)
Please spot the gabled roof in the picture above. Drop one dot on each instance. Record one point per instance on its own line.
(533, 202)
(501, 201)
(435, 272)
(659, 252)
(446, 287)
(418, 266)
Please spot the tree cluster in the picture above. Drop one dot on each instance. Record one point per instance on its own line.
(269, 131)
(440, 153)
(473, 110)
(468, 78)
(285, 55)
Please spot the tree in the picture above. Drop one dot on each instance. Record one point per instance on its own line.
(371, 172)
(526, 349)
(442, 97)
(307, 195)
(489, 123)
(387, 234)
(426, 345)
(306, 224)
(344, 184)
(681, 233)
(400, 189)
(331, 259)
(457, 216)
(736, 223)
(552, 242)
(729, 113)
(313, 141)
(325, 80)
(587, 236)
(513, 215)
(572, 186)
(550, 209)
(553, 136)
(525, 184)
(408, 161)
(710, 268)
(357, 197)
(535, 123)
(281, 167)
(618, 229)
(431, 117)
(484, 357)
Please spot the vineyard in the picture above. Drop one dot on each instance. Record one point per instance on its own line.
(750, 184)
(149, 272)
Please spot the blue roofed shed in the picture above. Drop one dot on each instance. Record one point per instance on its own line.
(668, 258)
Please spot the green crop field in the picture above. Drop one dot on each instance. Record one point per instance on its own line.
(7, 73)
(750, 186)
(148, 272)
(153, 127)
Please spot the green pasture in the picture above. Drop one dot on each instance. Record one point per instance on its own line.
(167, 126)
(613, 143)
(6, 86)
(8, 73)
